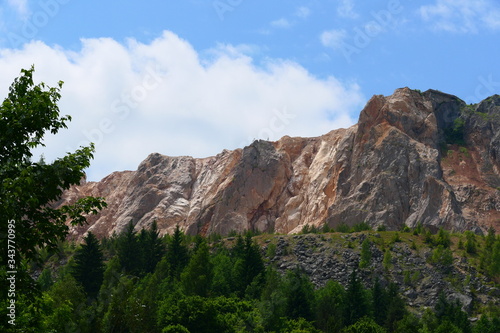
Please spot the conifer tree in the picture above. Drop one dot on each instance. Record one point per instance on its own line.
(299, 295)
(88, 267)
(379, 303)
(177, 253)
(330, 307)
(197, 277)
(356, 301)
(366, 254)
(129, 252)
(248, 264)
(152, 248)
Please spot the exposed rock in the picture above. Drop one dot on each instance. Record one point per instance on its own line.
(324, 257)
(390, 169)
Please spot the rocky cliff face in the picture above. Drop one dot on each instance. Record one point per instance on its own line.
(412, 158)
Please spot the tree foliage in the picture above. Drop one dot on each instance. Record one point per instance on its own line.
(29, 189)
(89, 266)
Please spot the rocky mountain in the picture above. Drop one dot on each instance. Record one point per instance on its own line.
(412, 158)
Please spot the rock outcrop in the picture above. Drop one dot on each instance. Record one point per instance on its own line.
(412, 158)
(327, 257)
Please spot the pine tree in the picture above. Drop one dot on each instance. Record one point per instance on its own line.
(248, 264)
(470, 243)
(197, 277)
(177, 253)
(396, 309)
(299, 295)
(366, 254)
(152, 248)
(379, 303)
(356, 301)
(88, 265)
(387, 261)
(129, 251)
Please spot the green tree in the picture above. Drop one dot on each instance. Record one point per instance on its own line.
(490, 238)
(177, 253)
(443, 238)
(45, 280)
(330, 307)
(299, 325)
(129, 251)
(470, 242)
(364, 325)
(272, 303)
(119, 317)
(379, 303)
(199, 314)
(494, 267)
(387, 261)
(442, 257)
(299, 295)
(451, 312)
(88, 266)
(356, 300)
(222, 280)
(396, 309)
(28, 190)
(197, 276)
(67, 301)
(248, 264)
(409, 324)
(152, 248)
(487, 325)
(366, 254)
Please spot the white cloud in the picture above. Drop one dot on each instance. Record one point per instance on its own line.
(346, 9)
(462, 16)
(303, 12)
(334, 39)
(20, 6)
(133, 99)
(281, 23)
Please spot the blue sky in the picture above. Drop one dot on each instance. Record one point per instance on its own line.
(195, 77)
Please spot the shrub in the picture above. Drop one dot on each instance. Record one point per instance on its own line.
(363, 226)
(343, 228)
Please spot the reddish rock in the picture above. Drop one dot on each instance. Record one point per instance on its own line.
(395, 167)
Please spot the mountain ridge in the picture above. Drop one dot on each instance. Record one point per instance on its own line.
(413, 158)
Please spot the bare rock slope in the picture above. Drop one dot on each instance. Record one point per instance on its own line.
(412, 158)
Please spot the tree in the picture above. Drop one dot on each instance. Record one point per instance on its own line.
(330, 307)
(129, 251)
(248, 264)
(452, 313)
(470, 243)
(396, 309)
(222, 280)
(152, 248)
(89, 265)
(299, 293)
(177, 253)
(356, 301)
(443, 238)
(366, 254)
(28, 190)
(197, 277)
(379, 303)
(272, 304)
(442, 257)
(365, 325)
